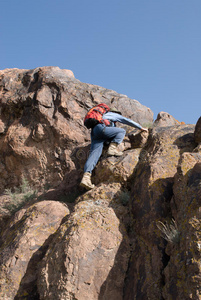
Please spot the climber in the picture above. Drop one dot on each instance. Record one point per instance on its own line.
(101, 134)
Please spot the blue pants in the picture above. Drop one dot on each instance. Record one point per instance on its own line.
(100, 134)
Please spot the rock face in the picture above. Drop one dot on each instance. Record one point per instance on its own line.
(136, 235)
(41, 124)
(184, 263)
(152, 195)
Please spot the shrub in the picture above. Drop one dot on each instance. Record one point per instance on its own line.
(170, 231)
(124, 197)
(147, 125)
(19, 196)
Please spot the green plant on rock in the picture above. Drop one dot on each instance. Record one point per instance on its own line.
(25, 187)
(147, 125)
(124, 197)
(19, 196)
(169, 231)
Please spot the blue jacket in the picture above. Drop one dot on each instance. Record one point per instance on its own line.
(114, 117)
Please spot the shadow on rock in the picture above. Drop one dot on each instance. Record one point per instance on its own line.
(113, 286)
(28, 285)
(186, 142)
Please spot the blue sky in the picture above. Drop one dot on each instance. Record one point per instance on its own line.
(149, 50)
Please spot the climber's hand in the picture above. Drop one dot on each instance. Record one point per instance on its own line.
(144, 129)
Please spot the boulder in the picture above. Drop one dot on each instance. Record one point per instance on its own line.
(151, 193)
(24, 243)
(116, 169)
(88, 256)
(165, 119)
(182, 273)
(137, 139)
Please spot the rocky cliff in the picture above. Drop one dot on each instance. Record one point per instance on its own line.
(136, 235)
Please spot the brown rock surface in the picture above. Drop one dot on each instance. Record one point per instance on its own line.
(89, 254)
(137, 139)
(182, 274)
(24, 243)
(112, 169)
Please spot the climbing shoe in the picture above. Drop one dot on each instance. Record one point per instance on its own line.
(112, 150)
(86, 181)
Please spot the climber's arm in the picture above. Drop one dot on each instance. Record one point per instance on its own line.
(114, 117)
